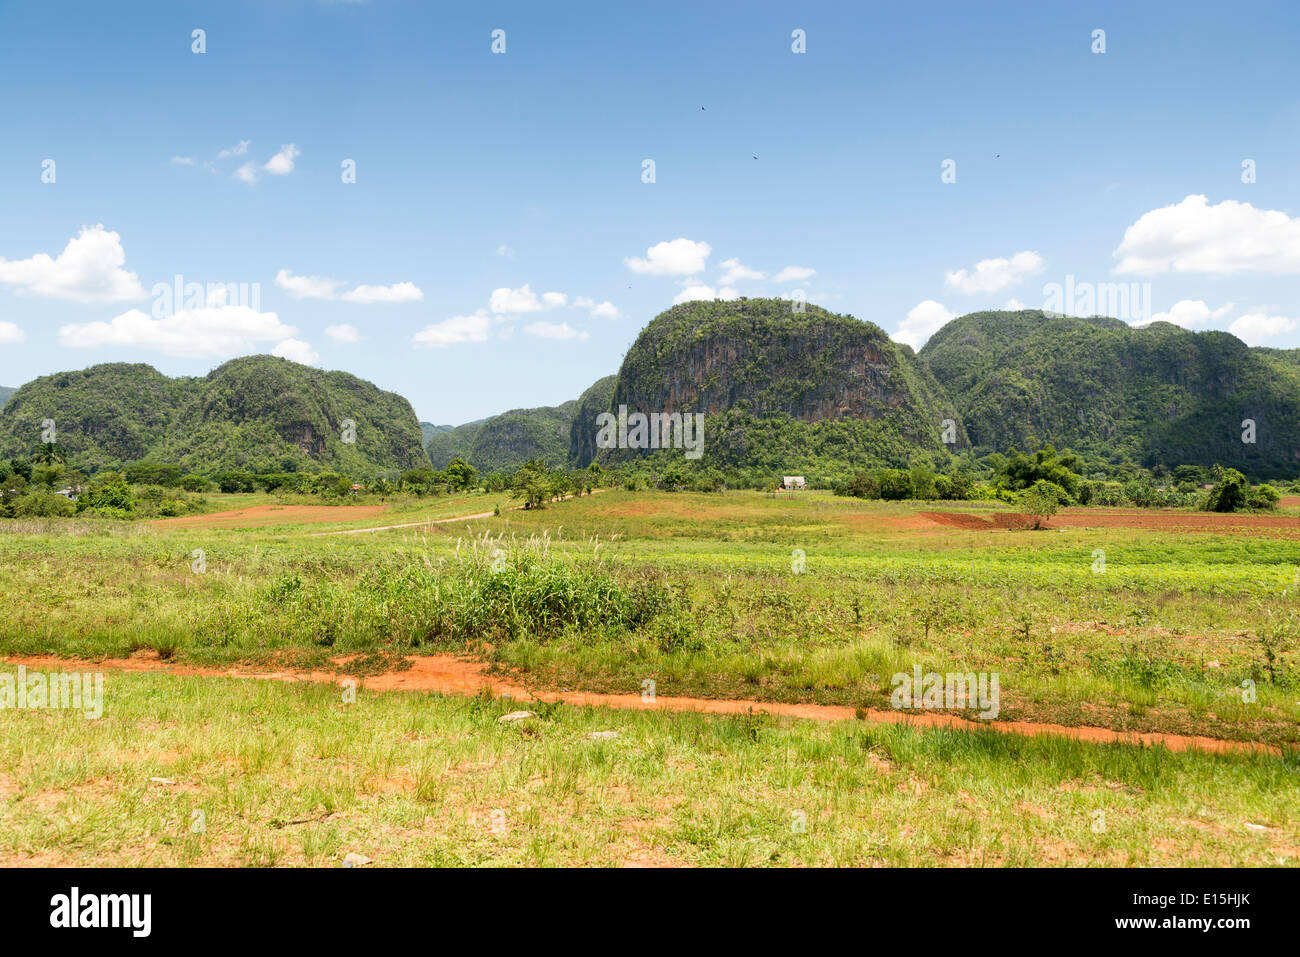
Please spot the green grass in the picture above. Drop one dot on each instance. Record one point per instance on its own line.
(1162, 640)
(290, 774)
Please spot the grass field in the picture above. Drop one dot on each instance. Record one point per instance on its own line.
(289, 774)
(1188, 627)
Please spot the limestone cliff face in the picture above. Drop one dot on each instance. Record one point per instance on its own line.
(759, 358)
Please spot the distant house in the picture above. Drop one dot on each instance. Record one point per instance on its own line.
(793, 482)
(70, 492)
(356, 489)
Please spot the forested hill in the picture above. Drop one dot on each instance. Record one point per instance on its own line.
(782, 386)
(1158, 394)
(783, 391)
(258, 413)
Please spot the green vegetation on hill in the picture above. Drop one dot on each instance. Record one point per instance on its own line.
(1154, 395)
(505, 442)
(808, 392)
(258, 413)
(5, 393)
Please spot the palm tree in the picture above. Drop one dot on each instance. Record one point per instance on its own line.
(49, 453)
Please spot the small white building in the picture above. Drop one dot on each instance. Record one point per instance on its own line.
(793, 482)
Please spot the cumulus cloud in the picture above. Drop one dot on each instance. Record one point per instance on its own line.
(281, 164)
(88, 270)
(1256, 327)
(1014, 305)
(213, 331)
(320, 287)
(733, 271)
(9, 332)
(794, 274)
(343, 333)
(1188, 313)
(297, 351)
(397, 292)
(605, 310)
(307, 287)
(472, 328)
(706, 293)
(1194, 236)
(994, 275)
(923, 320)
(183, 160)
(523, 299)
(554, 330)
(680, 257)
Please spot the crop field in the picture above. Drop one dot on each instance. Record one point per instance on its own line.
(1105, 624)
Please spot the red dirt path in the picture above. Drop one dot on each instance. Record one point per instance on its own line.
(447, 674)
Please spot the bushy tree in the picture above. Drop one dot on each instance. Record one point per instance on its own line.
(1230, 492)
(1264, 497)
(1042, 500)
(459, 474)
(1018, 471)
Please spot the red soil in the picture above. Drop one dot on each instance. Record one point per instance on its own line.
(258, 515)
(1287, 525)
(450, 675)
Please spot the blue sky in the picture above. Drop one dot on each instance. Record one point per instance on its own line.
(486, 180)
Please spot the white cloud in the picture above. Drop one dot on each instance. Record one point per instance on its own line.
(239, 149)
(343, 333)
(1188, 313)
(523, 299)
(794, 274)
(605, 310)
(994, 275)
(1253, 328)
(473, 328)
(680, 257)
(320, 287)
(705, 293)
(214, 331)
(183, 160)
(88, 270)
(397, 292)
(9, 332)
(554, 330)
(297, 351)
(518, 300)
(1014, 305)
(735, 271)
(584, 302)
(307, 287)
(1193, 236)
(281, 164)
(923, 320)
(506, 251)
(246, 173)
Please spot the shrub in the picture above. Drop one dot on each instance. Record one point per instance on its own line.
(1229, 493)
(1264, 497)
(1042, 500)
